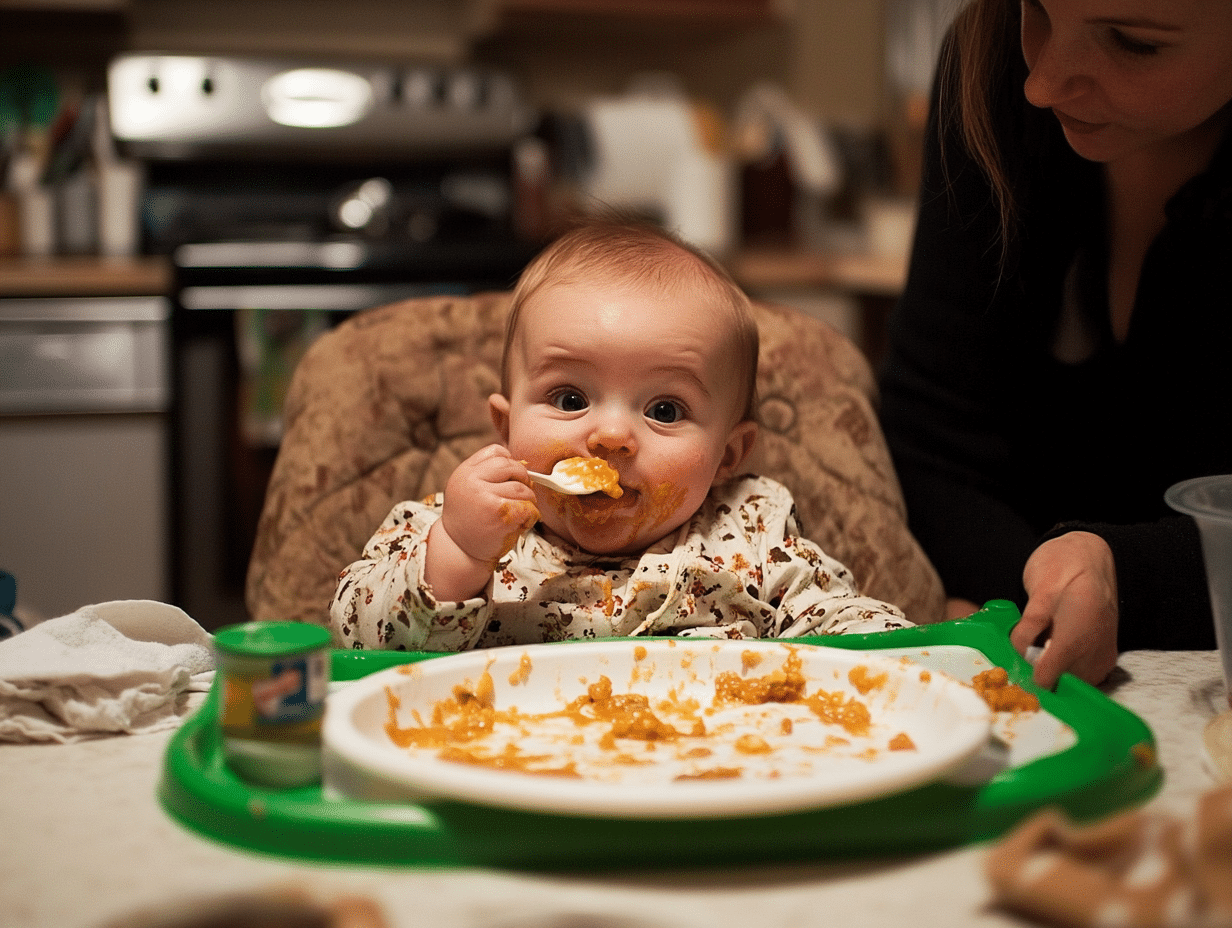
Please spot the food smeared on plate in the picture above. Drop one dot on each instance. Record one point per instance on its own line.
(995, 688)
(601, 732)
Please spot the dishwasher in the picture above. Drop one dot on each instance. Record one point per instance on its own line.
(84, 450)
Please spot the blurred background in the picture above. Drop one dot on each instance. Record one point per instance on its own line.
(193, 190)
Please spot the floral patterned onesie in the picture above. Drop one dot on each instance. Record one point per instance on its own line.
(738, 569)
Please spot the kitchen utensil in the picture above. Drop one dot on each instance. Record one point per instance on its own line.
(580, 476)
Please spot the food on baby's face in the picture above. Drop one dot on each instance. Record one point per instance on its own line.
(595, 474)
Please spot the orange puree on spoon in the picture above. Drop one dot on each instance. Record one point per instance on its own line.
(595, 474)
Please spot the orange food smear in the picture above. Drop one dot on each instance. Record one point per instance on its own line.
(787, 685)
(461, 721)
(1002, 696)
(902, 742)
(522, 674)
(595, 474)
(865, 682)
(783, 685)
(753, 744)
(850, 714)
(509, 759)
(715, 773)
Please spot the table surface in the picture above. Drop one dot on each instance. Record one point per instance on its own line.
(85, 843)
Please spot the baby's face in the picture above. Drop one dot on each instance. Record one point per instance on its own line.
(647, 380)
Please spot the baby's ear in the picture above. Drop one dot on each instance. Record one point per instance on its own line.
(739, 446)
(498, 406)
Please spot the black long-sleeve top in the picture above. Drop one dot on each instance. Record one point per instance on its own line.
(1000, 437)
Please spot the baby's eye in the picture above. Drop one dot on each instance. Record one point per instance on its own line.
(569, 401)
(665, 411)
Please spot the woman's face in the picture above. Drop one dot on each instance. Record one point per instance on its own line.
(1125, 76)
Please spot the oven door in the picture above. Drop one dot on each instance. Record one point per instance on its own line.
(84, 395)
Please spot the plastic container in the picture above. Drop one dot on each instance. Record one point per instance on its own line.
(1209, 501)
(274, 680)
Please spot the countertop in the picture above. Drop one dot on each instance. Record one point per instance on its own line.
(862, 274)
(84, 276)
(86, 845)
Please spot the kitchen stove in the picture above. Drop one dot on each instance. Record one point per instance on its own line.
(288, 195)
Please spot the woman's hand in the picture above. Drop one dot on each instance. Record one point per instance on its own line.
(1072, 596)
(489, 503)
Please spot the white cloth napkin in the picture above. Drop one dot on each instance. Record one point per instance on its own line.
(111, 668)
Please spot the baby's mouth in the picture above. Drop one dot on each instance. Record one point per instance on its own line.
(595, 507)
(595, 475)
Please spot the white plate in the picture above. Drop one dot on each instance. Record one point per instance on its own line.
(945, 720)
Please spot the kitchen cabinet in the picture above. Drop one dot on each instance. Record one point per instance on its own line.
(84, 431)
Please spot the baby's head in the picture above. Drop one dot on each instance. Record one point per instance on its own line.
(614, 252)
(626, 344)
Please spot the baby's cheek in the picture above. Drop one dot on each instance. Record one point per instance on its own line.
(663, 501)
(543, 457)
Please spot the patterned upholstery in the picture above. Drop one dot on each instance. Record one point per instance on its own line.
(382, 408)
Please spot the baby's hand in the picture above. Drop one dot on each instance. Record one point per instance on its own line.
(489, 503)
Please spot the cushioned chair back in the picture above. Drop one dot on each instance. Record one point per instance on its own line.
(382, 408)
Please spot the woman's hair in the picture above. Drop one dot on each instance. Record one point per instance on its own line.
(983, 37)
(617, 250)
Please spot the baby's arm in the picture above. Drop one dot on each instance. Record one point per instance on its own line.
(488, 504)
(383, 602)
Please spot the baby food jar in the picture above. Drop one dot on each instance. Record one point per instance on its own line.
(274, 679)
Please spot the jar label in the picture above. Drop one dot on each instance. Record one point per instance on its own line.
(285, 703)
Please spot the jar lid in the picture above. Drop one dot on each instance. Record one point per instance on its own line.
(271, 639)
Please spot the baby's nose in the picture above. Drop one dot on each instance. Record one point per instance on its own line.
(612, 434)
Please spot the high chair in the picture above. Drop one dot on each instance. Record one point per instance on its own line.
(382, 408)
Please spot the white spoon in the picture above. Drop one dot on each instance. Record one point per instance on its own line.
(580, 476)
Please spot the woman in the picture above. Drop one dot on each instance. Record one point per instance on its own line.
(1058, 357)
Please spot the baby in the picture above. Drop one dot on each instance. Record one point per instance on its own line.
(624, 344)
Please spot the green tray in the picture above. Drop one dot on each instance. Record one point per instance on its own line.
(1111, 764)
